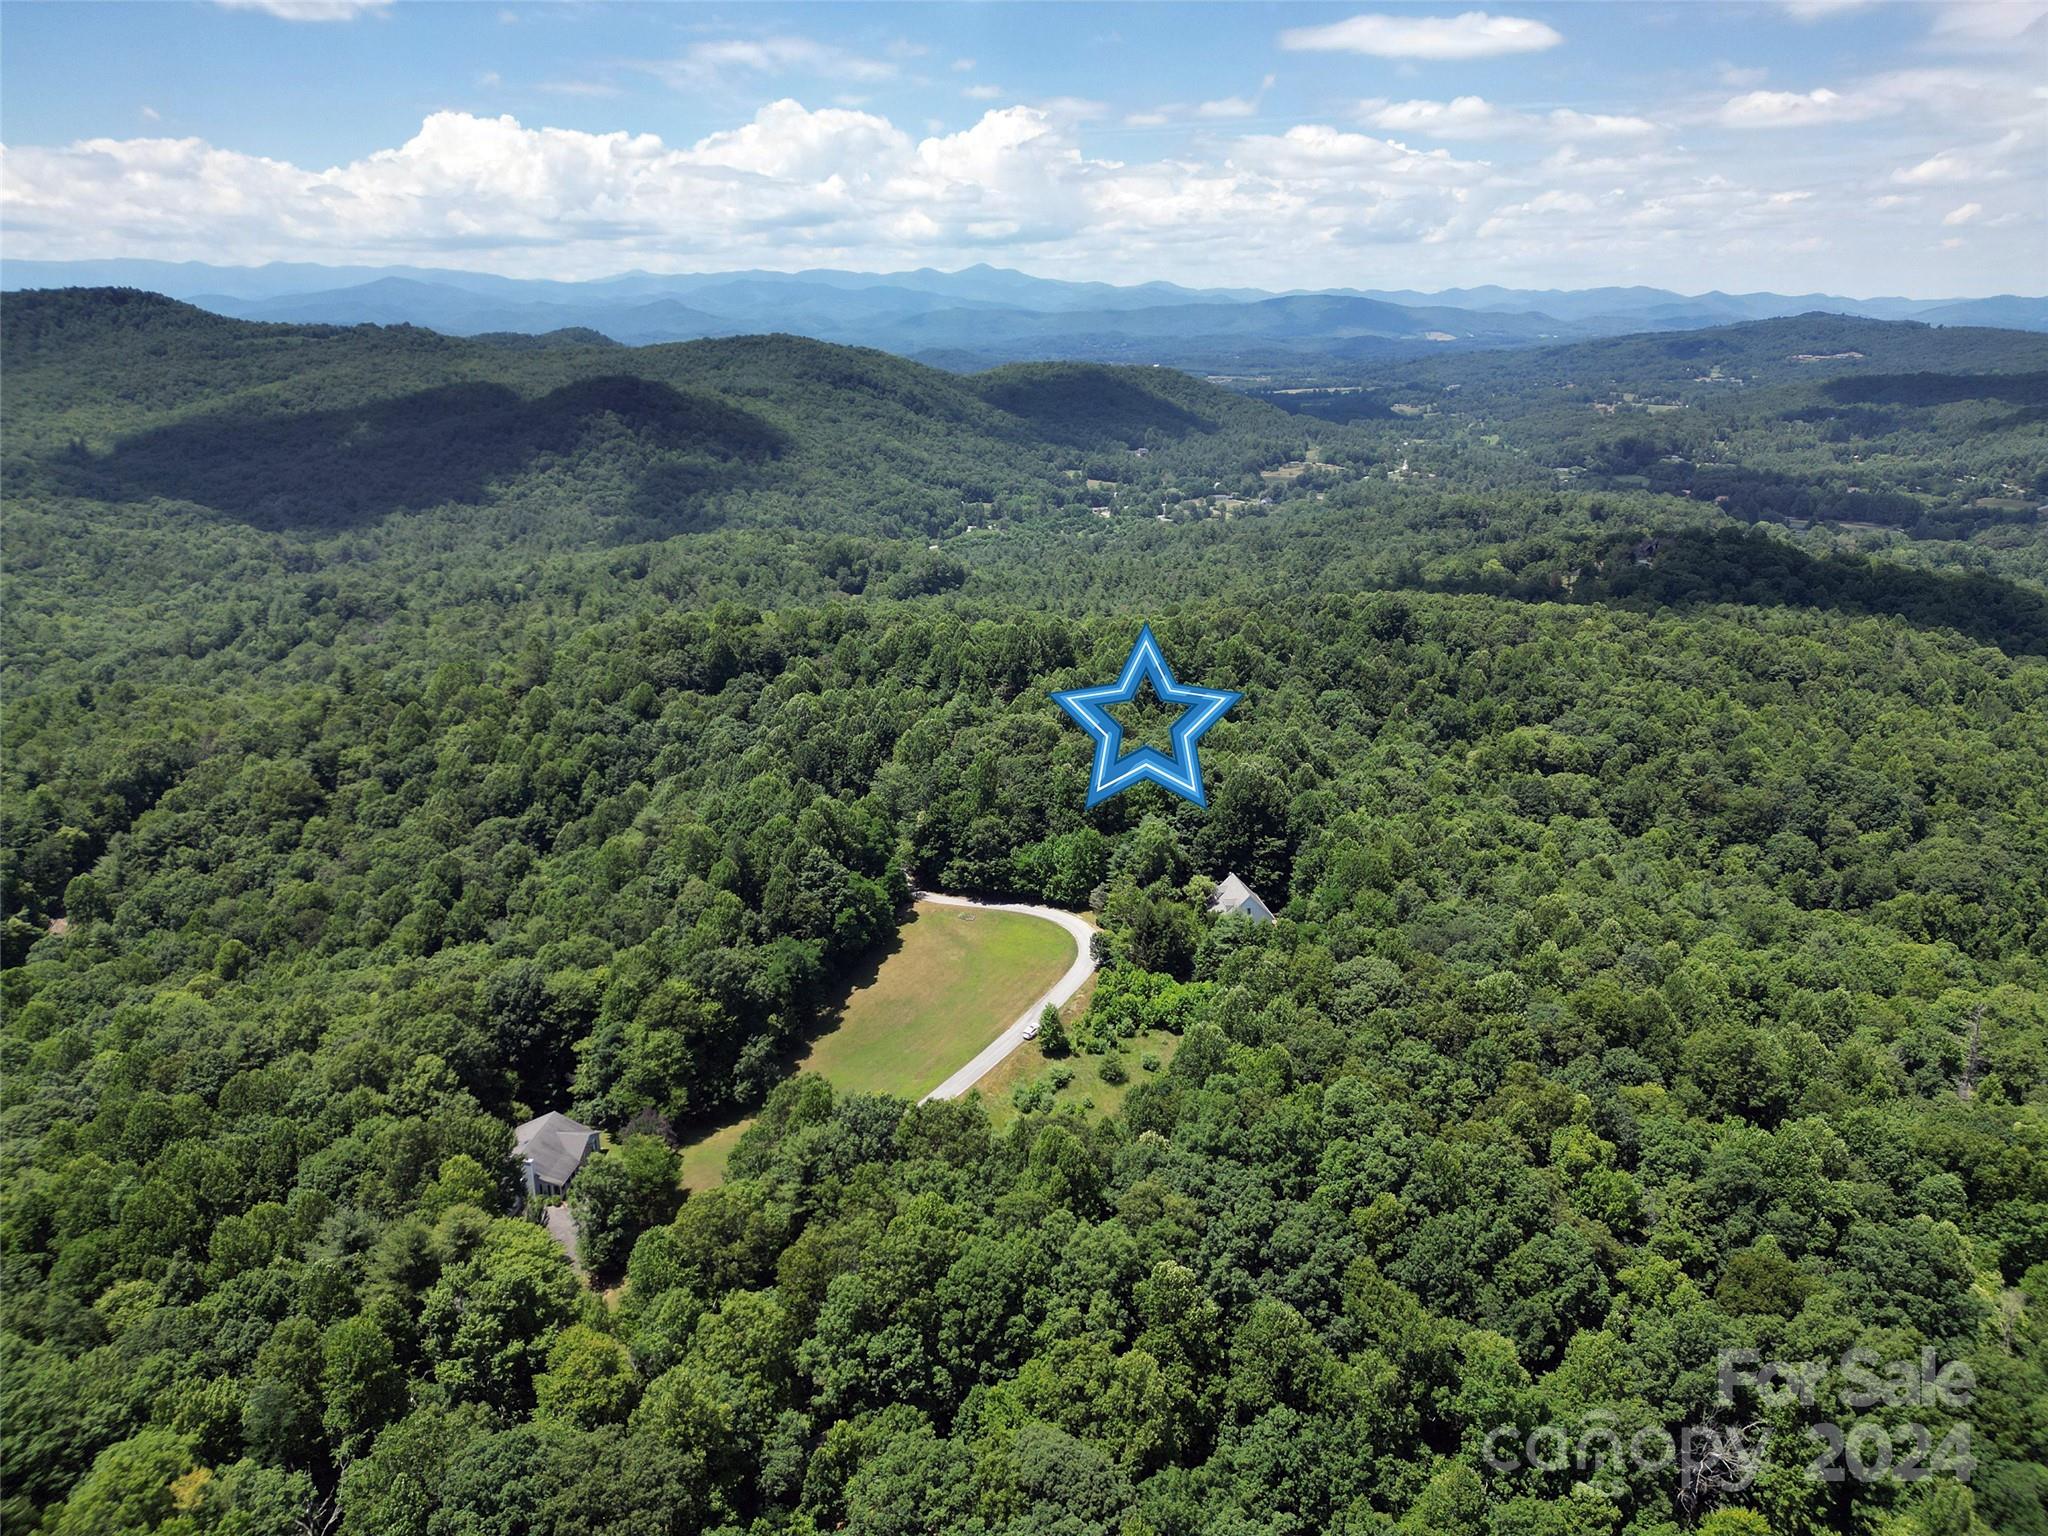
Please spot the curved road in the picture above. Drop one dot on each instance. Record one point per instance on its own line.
(985, 1061)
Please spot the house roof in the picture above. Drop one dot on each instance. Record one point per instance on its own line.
(556, 1144)
(1233, 895)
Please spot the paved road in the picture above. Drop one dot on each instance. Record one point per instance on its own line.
(1062, 990)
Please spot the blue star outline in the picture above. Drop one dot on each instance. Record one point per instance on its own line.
(1116, 770)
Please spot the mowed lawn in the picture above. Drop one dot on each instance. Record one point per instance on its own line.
(957, 978)
(704, 1158)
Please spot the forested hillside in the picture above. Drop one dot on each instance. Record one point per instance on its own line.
(1873, 425)
(406, 736)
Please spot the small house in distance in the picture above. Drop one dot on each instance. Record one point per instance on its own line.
(550, 1150)
(1233, 895)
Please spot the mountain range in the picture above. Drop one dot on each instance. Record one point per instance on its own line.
(984, 315)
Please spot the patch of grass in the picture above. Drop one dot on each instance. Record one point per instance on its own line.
(1085, 1087)
(704, 1159)
(953, 979)
(956, 979)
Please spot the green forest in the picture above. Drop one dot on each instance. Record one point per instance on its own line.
(407, 736)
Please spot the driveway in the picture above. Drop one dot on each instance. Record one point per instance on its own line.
(562, 1228)
(1061, 993)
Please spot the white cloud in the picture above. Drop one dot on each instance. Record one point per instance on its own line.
(1982, 162)
(1072, 109)
(792, 186)
(309, 10)
(1462, 117)
(790, 143)
(1220, 110)
(963, 66)
(1820, 10)
(1560, 196)
(1228, 106)
(717, 57)
(1962, 215)
(1544, 207)
(1790, 109)
(1311, 150)
(1948, 166)
(1473, 117)
(1978, 97)
(1634, 166)
(1566, 123)
(981, 92)
(1472, 35)
(1990, 24)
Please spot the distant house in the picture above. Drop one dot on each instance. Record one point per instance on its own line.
(550, 1150)
(1234, 896)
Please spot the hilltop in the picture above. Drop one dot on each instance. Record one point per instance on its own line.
(118, 395)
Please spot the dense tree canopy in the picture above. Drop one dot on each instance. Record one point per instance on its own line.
(1661, 967)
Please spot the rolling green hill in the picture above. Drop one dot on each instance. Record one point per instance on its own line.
(118, 396)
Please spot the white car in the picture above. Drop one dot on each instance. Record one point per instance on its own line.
(1030, 1031)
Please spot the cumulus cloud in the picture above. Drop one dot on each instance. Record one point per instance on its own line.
(1962, 215)
(791, 185)
(1472, 35)
(788, 142)
(795, 185)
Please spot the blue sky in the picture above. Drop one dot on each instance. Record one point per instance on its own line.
(1820, 144)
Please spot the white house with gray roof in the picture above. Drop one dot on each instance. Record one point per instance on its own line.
(1234, 896)
(550, 1149)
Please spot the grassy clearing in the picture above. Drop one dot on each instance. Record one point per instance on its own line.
(1028, 1064)
(1085, 1088)
(953, 980)
(957, 978)
(704, 1159)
